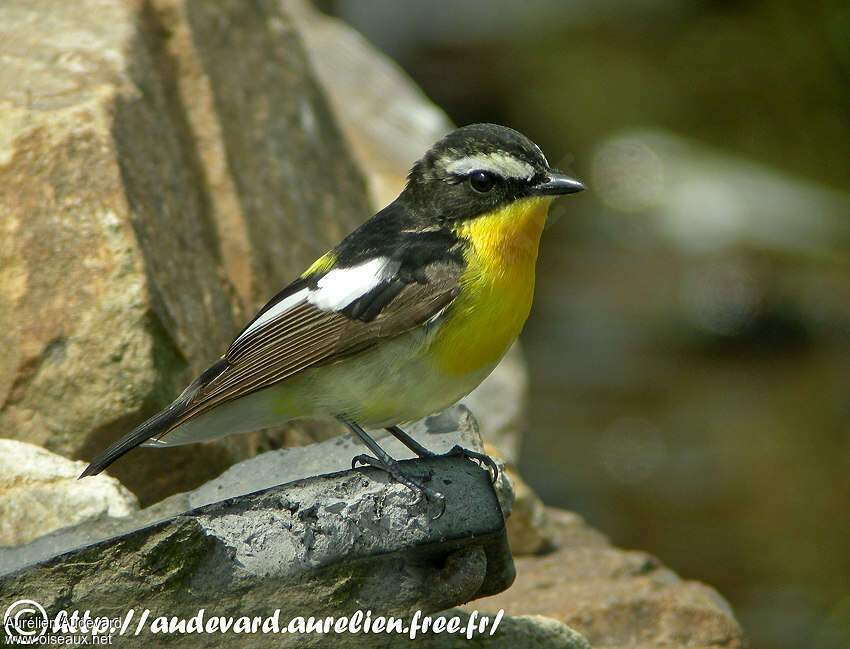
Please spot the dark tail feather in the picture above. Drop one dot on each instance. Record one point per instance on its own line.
(156, 425)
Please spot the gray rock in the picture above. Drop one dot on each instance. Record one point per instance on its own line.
(39, 493)
(439, 433)
(321, 546)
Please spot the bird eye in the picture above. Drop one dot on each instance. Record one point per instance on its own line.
(482, 181)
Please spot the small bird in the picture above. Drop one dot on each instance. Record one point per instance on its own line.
(404, 317)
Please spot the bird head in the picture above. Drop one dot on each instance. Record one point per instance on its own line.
(477, 169)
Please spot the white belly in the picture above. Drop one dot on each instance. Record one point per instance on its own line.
(360, 388)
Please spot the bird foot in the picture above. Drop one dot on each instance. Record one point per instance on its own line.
(485, 461)
(396, 473)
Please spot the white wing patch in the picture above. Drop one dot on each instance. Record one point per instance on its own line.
(284, 305)
(341, 286)
(500, 164)
(335, 291)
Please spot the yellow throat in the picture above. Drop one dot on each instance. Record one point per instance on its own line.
(497, 286)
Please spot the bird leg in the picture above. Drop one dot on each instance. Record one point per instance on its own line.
(383, 460)
(485, 460)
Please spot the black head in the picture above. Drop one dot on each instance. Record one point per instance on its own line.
(478, 168)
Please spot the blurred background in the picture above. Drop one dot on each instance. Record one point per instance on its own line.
(689, 345)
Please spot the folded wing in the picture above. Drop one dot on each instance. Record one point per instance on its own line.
(299, 334)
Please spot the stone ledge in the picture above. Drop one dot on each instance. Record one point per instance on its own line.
(335, 542)
(323, 545)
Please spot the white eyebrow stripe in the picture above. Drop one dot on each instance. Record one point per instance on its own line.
(503, 165)
(341, 286)
(284, 305)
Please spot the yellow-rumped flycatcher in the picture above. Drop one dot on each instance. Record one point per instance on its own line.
(404, 317)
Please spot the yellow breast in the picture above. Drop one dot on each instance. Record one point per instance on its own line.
(497, 287)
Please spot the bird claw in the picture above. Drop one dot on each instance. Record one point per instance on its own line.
(485, 461)
(441, 503)
(399, 476)
(366, 460)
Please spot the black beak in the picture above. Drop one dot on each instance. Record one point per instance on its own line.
(556, 184)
